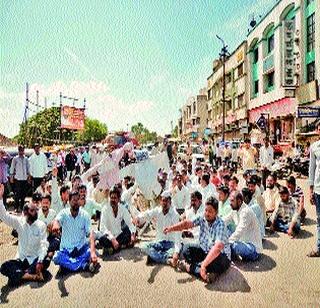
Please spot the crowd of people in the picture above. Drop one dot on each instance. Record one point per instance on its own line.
(205, 215)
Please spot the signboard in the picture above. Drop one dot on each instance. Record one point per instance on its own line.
(288, 53)
(262, 122)
(308, 112)
(72, 118)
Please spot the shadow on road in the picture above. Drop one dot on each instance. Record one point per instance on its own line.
(310, 222)
(264, 264)
(154, 273)
(131, 254)
(269, 245)
(303, 234)
(231, 281)
(7, 289)
(63, 277)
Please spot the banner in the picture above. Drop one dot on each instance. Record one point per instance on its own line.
(72, 118)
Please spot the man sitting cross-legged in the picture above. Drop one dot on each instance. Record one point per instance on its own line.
(166, 248)
(32, 248)
(212, 256)
(113, 213)
(75, 253)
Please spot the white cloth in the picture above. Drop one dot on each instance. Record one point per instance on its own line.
(162, 221)
(56, 201)
(192, 215)
(181, 198)
(32, 238)
(208, 191)
(247, 227)
(111, 225)
(38, 165)
(266, 157)
(49, 219)
(271, 198)
(314, 167)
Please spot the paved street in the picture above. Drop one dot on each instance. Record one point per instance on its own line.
(284, 276)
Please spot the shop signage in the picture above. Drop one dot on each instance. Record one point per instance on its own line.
(308, 112)
(288, 53)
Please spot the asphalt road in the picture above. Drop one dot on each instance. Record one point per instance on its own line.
(284, 277)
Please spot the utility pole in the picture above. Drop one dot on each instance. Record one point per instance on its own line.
(26, 108)
(223, 56)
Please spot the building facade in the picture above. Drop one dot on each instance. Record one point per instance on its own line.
(193, 117)
(236, 96)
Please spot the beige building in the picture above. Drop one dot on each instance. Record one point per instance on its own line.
(193, 117)
(236, 96)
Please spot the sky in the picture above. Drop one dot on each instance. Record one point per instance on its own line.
(133, 61)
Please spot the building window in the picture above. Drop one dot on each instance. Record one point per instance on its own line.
(255, 55)
(240, 100)
(240, 70)
(270, 80)
(311, 72)
(270, 43)
(228, 105)
(228, 78)
(310, 32)
(256, 87)
(194, 108)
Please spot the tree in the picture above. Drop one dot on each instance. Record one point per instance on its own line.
(94, 130)
(174, 133)
(44, 127)
(142, 134)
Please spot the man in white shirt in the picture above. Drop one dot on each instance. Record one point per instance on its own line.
(248, 154)
(59, 197)
(166, 248)
(47, 215)
(266, 159)
(90, 206)
(271, 196)
(38, 166)
(206, 188)
(180, 196)
(32, 245)
(246, 241)
(314, 183)
(113, 236)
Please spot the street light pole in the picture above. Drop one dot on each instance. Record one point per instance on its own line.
(223, 55)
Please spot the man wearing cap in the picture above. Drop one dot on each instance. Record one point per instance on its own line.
(166, 248)
(20, 175)
(285, 217)
(38, 166)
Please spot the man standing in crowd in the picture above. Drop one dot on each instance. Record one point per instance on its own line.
(38, 167)
(32, 245)
(266, 159)
(4, 161)
(212, 256)
(77, 247)
(248, 153)
(86, 159)
(71, 160)
(20, 175)
(314, 182)
(180, 195)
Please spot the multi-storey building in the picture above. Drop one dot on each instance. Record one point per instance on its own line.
(236, 97)
(193, 118)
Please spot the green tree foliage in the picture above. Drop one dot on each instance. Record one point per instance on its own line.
(44, 126)
(175, 132)
(142, 134)
(94, 130)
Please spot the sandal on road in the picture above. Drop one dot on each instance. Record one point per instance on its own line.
(314, 254)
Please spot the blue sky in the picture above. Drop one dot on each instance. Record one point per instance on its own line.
(132, 60)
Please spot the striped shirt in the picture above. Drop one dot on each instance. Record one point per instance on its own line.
(297, 194)
(75, 230)
(287, 211)
(20, 168)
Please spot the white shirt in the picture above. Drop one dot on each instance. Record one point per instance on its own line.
(266, 157)
(247, 227)
(314, 167)
(49, 219)
(192, 215)
(38, 165)
(32, 242)
(181, 198)
(271, 198)
(208, 191)
(111, 225)
(162, 221)
(56, 201)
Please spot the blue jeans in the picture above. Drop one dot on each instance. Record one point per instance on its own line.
(246, 251)
(159, 252)
(284, 226)
(317, 201)
(76, 260)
